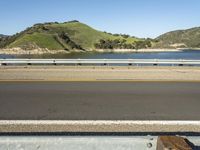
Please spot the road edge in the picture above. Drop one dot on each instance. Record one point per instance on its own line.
(11, 126)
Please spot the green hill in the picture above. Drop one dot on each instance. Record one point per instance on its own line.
(180, 39)
(69, 36)
(73, 35)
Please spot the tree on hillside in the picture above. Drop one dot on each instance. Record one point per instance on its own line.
(68, 41)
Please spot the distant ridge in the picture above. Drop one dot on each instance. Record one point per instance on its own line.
(2, 35)
(189, 38)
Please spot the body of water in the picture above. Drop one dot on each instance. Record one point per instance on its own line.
(186, 54)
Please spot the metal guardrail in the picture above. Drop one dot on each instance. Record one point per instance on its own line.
(77, 142)
(99, 61)
(94, 142)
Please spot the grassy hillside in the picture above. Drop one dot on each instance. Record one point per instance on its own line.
(35, 40)
(74, 35)
(180, 39)
(58, 36)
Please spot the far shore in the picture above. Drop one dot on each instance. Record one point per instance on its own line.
(19, 51)
(138, 50)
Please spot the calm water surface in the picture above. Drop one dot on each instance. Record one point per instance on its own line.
(186, 54)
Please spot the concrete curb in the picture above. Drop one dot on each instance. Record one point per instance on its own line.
(98, 126)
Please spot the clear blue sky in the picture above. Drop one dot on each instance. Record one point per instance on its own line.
(142, 18)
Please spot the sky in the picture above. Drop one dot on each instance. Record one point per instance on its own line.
(141, 18)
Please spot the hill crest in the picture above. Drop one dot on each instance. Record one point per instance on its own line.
(72, 35)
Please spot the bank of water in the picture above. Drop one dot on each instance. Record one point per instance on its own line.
(186, 54)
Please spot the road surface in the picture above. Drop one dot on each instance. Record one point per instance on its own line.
(99, 100)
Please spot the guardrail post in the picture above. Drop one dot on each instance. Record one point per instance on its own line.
(54, 62)
(130, 63)
(104, 63)
(79, 62)
(155, 64)
(28, 63)
(3, 64)
(181, 64)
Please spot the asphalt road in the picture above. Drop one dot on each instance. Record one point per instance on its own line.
(99, 101)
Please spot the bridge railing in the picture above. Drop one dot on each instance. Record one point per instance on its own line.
(99, 61)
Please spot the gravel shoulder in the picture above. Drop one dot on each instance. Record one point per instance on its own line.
(84, 73)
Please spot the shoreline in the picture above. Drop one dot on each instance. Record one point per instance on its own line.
(19, 51)
(137, 51)
(189, 49)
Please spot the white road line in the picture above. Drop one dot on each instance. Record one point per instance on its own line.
(97, 122)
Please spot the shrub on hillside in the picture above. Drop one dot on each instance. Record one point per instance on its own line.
(121, 44)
